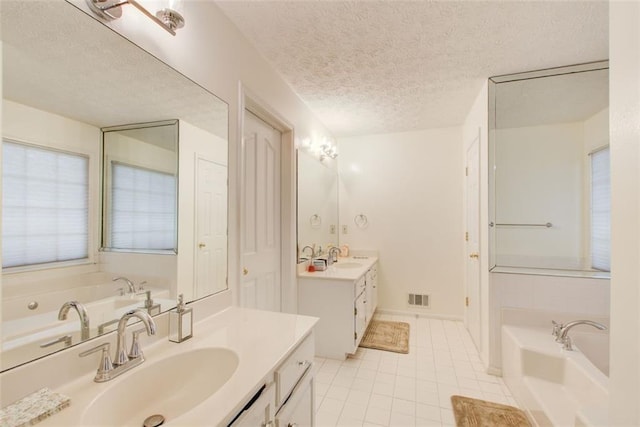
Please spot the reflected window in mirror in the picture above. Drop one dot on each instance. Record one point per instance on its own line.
(45, 205)
(601, 210)
(143, 214)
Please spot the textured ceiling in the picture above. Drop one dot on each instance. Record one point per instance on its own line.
(55, 58)
(385, 66)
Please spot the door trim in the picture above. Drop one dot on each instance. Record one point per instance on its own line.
(251, 102)
(477, 140)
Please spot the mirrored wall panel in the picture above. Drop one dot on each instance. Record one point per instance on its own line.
(549, 139)
(140, 187)
(67, 81)
(317, 205)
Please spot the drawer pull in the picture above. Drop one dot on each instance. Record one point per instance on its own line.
(292, 425)
(303, 363)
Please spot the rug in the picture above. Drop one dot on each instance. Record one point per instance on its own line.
(480, 413)
(388, 336)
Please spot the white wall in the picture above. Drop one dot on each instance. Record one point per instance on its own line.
(409, 185)
(211, 51)
(624, 88)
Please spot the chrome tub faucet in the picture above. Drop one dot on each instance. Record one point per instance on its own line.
(131, 287)
(563, 332)
(82, 314)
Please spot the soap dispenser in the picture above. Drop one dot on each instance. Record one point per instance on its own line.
(180, 322)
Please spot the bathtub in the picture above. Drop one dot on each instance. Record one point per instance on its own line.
(556, 387)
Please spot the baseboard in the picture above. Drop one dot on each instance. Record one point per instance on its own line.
(425, 315)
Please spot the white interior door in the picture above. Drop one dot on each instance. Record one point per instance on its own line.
(261, 247)
(210, 227)
(472, 237)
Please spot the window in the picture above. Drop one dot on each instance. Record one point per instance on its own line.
(600, 210)
(143, 214)
(45, 205)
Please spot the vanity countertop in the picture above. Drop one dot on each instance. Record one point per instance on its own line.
(335, 272)
(261, 340)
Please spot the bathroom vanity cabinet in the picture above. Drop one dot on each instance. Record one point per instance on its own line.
(345, 300)
(287, 398)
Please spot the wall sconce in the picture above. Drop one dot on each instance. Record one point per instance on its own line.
(169, 17)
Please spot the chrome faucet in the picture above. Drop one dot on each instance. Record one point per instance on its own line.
(82, 313)
(563, 334)
(333, 254)
(130, 285)
(313, 252)
(108, 370)
(121, 354)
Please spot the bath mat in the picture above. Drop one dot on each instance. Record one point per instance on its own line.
(388, 336)
(480, 413)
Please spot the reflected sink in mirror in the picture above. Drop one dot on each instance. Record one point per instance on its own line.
(347, 265)
(170, 387)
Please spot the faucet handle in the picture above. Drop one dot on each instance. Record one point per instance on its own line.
(557, 327)
(66, 339)
(106, 366)
(136, 350)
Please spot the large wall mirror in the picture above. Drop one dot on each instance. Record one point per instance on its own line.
(549, 184)
(68, 83)
(317, 204)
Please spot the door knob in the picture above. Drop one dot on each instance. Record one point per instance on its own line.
(245, 271)
(202, 245)
(474, 255)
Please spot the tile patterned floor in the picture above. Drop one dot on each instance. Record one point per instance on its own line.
(378, 388)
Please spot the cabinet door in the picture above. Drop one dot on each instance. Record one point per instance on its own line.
(299, 411)
(360, 318)
(260, 412)
(372, 289)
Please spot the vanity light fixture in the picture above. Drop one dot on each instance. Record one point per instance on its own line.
(169, 16)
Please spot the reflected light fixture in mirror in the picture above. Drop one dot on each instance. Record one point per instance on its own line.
(320, 148)
(169, 16)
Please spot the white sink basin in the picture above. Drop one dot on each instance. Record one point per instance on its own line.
(169, 387)
(347, 265)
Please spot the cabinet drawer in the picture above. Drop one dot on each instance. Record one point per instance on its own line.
(288, 374)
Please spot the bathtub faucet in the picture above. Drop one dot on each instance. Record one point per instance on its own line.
(82, 314)
(131, 287)
(563, 335)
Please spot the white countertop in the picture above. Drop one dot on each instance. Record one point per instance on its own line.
(336, 273)
(260, 339)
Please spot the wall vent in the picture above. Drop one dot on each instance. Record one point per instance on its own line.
(419, 300)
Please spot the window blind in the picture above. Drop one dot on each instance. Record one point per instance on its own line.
(143, 214)
(600, 210)
(45, 205)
